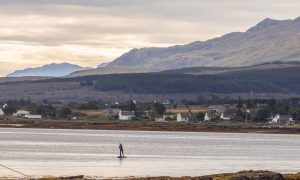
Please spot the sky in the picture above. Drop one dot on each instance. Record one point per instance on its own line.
(89, 32)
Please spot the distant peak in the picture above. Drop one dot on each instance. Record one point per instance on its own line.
(53, 69)
(297, 19)
(268, 22)
(264, 24)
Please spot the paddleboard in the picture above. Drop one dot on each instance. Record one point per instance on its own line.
(121, 157)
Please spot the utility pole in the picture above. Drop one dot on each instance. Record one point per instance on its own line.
(247, 111)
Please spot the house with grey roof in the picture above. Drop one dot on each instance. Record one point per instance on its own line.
(214, 112)
(281, 120)
(183, 117)
(21, 113)
(210, 115)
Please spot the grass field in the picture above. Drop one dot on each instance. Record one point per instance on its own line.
(195, 109)
(90, 112)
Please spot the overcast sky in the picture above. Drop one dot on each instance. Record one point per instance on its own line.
(89, 32)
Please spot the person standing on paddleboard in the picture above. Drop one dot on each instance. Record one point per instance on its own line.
(121, 150)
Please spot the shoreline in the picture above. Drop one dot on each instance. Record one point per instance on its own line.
(149, 126)
(242, 175)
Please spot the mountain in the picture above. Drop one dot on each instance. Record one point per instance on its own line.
(103, 65)
(269, 41)
(51, 70)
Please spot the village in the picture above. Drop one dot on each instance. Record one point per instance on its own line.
(271, 112)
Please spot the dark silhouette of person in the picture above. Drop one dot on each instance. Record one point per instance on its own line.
(121, 150)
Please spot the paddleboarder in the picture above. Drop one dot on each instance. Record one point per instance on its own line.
(121, 150)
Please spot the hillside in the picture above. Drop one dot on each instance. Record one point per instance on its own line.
(20, 79)
(275, 82)
(217, 70)
(285, 80)
(269, 41)
(49, 70)
(107, 70)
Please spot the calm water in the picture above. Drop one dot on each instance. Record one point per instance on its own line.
(93, 153)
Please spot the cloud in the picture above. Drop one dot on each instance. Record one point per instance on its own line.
(88, 32)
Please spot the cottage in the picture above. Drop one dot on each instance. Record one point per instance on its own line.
(210, 115)
(4, 106)
(126, 115)
(1, 112)
(183, 117)
(225, 116)
(207, 117)
(21, 113)
(33, 116)
(111, 111)
(214, 112)
(281, 120)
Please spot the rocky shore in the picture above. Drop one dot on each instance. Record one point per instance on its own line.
(243, 175)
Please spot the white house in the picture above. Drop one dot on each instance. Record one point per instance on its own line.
(33, 116)
(21, 113)
(214, 111)
(117, 103)
(207, 117)
(126, 115)
(1, 112)
(210, 115)
(4, 106)
(225, 116)
(282, 120)
(183, 117)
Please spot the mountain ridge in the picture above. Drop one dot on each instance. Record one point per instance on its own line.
(254, 46)
(268, 41)
(48, 70)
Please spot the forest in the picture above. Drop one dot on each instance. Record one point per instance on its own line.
(278, 80)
